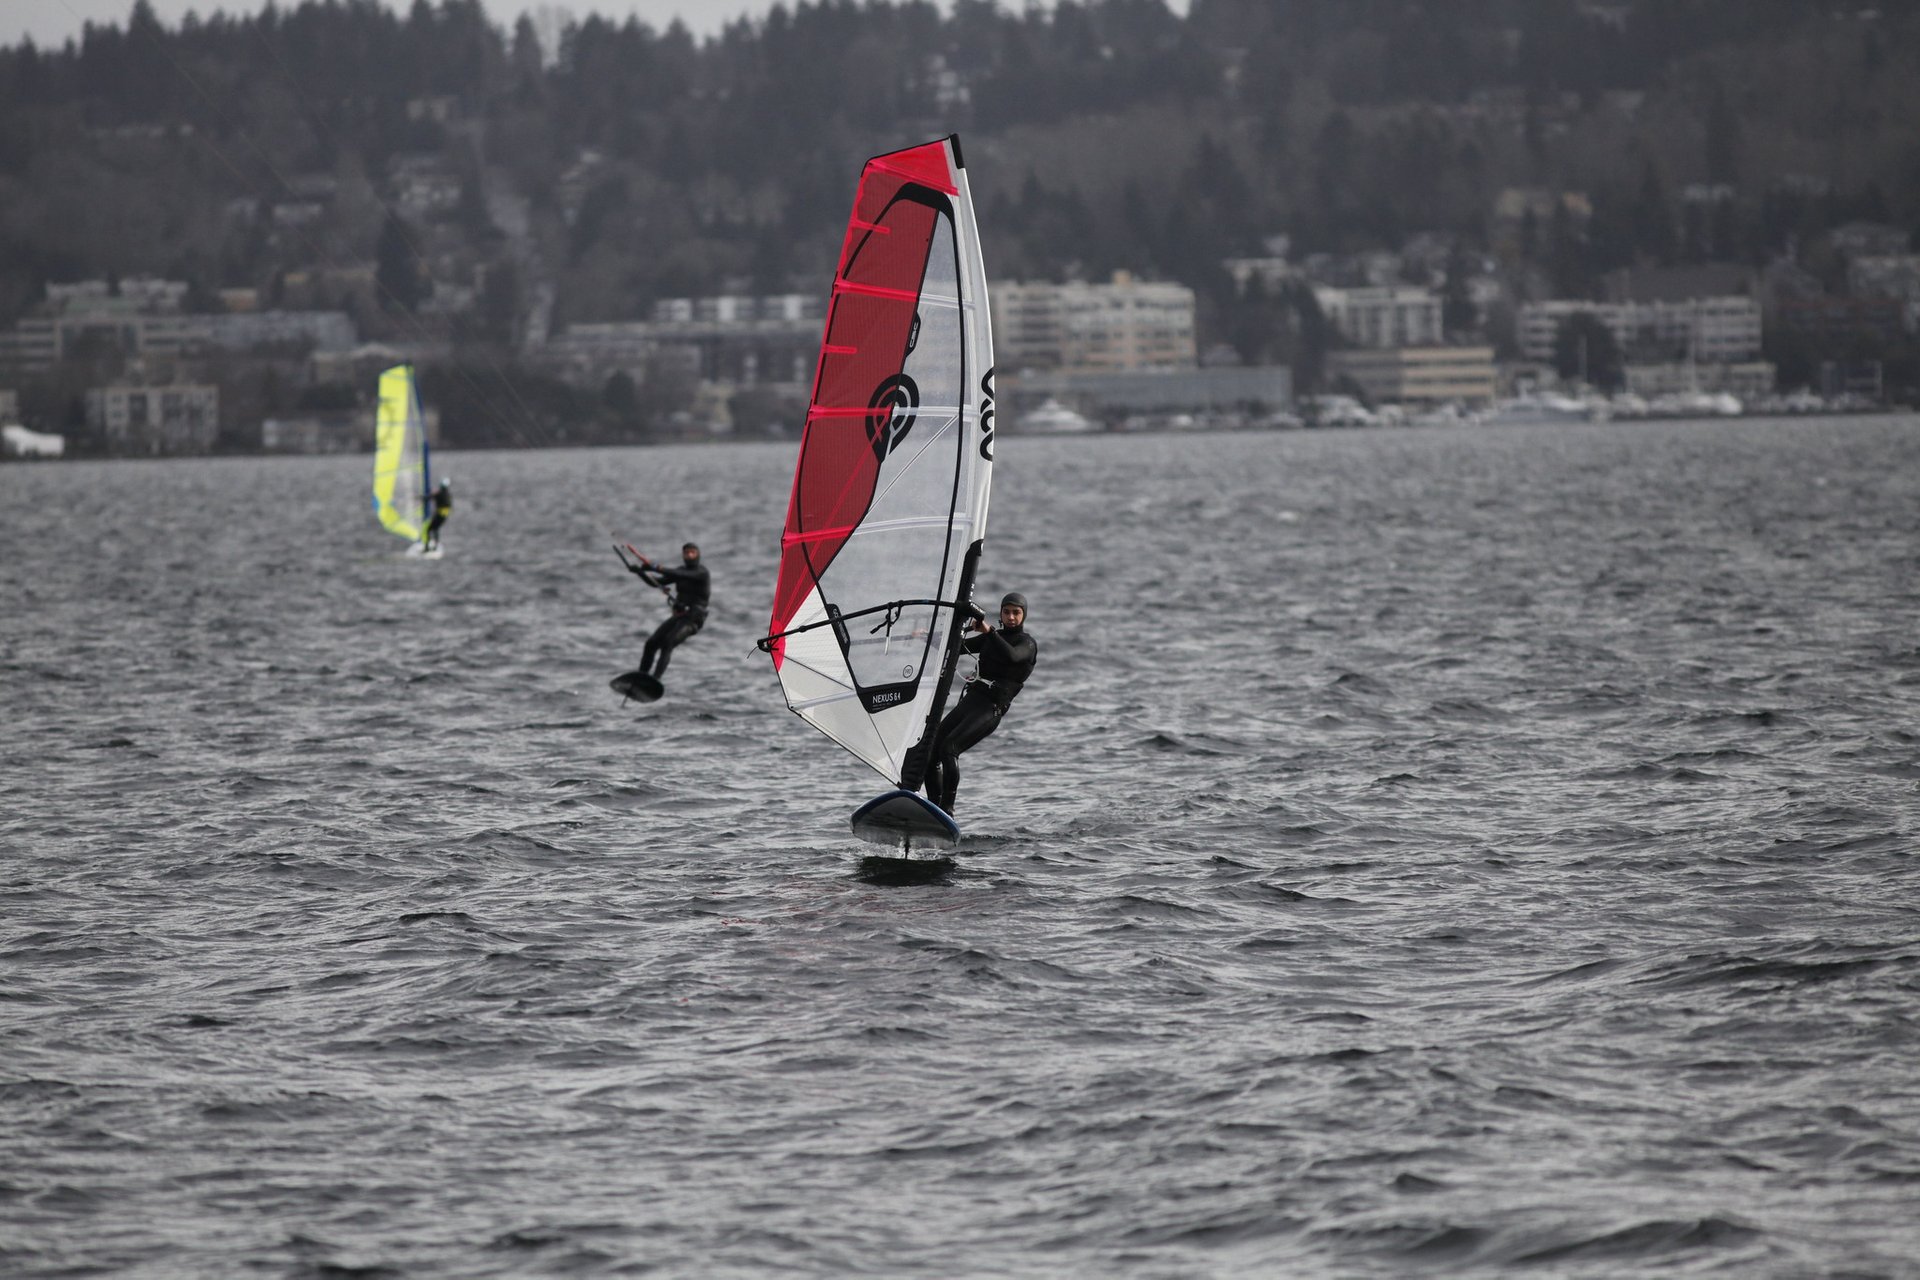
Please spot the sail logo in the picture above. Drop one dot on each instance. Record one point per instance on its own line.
(986, 416)
(893, 405)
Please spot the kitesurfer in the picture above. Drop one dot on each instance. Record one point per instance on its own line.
(441, 502)
(1006, 656)
(690, 585)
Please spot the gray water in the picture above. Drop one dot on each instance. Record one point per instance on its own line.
(1429, 852)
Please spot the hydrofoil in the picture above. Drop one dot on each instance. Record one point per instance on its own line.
(915, 830)
(637, 685)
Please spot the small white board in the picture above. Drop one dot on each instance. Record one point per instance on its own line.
(905, 820)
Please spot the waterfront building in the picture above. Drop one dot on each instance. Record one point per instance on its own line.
(729, 340)
(1718, 330)
(1384, 316)
(1123, 326)
(178, 418)
(142, 320)
(1419, 376)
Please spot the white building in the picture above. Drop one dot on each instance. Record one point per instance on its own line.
(730, 340)
(1126, 325)
(180, 418)
(40, 342)
(1724, 330)
(1383, 316)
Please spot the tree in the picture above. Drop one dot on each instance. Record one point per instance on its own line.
(397, 273)
(1723, 140)
(621, 399)
(1653, 218)
(1458, 314)
(1585, 350)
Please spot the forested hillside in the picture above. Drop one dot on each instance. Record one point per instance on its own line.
(1107, 134)
(434, 175)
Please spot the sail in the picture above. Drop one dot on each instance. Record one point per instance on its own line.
(400, 456)
(889, 501)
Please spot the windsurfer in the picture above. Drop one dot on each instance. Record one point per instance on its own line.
(691, 587)
(440, 502)
(1007, 657)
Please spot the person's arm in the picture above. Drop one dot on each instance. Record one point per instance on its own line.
(990, 639)
(671, 575)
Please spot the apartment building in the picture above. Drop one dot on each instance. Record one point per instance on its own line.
(1384, 316)
(1722, 330)
(1123, 326)
(179, 418)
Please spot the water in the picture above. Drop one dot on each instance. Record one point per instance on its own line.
(1435, 852)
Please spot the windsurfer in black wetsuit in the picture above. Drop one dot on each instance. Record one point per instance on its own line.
(691, 587)
(1006, 660)
(440, 505)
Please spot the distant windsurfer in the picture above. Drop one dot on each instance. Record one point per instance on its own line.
(440, 503)
(1007, 656)
(691, 587)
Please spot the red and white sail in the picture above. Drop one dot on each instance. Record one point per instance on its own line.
(889, 502)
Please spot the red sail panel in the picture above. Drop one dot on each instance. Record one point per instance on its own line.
(870, 326)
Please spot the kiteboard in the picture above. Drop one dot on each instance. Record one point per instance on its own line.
(637, 685)
(888, 510)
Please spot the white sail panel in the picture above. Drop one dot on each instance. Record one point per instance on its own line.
(890, 490)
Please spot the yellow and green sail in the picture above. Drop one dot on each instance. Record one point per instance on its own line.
(400, 479)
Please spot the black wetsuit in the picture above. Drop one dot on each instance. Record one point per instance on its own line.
(691, 589)
(1006, 660)
(441, 501)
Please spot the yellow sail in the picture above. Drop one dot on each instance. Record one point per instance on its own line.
(400, 456)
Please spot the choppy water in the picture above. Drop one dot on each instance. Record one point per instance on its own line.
(1417, 853)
